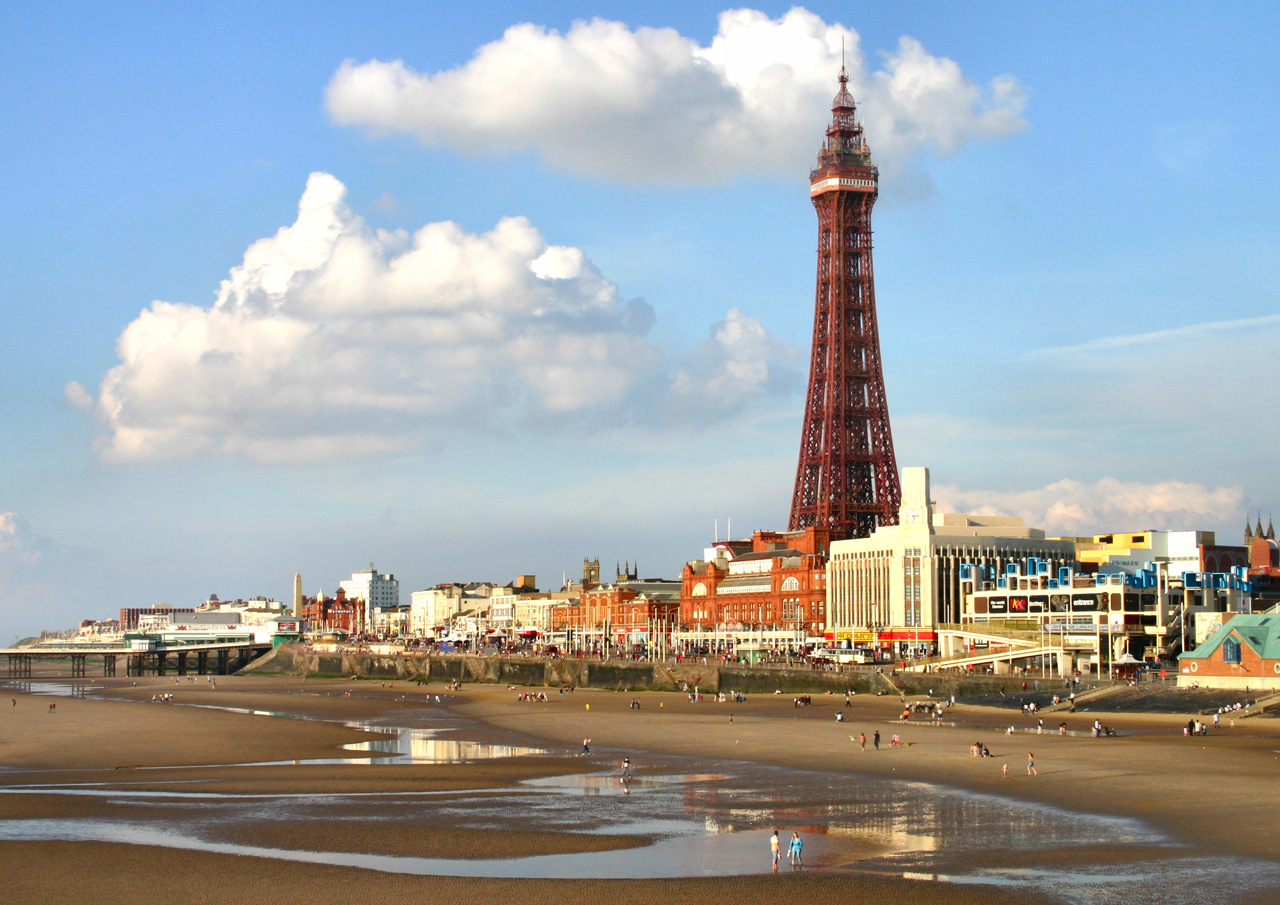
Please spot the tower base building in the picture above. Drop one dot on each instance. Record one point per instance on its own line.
(888, 593)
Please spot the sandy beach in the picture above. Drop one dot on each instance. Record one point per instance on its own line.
(118, 754)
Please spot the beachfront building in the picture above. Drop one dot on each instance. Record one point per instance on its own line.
(770, 589)
(620, 616)
(391, 621)
(1149, 612)
(887, 594)
(377, 590)
(431, 610)
(255, 611)
(1243, 653)
(334, 614)
(1176, 551)
(129, 616)
(532, 612)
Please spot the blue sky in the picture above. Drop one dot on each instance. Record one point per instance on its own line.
(1075, 250)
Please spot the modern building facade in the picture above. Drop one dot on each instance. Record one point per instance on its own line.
(888, 593)
(1177, 551)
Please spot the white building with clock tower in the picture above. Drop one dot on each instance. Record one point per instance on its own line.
(887, 593)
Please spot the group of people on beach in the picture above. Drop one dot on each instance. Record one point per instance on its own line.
(977, 749)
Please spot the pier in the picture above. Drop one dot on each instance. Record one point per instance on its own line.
(216, 658)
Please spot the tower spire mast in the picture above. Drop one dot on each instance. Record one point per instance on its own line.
(847, 476)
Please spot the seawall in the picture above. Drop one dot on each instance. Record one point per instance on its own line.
(621, 675)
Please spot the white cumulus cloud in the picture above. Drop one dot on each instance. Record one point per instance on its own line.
(334, 339)
(649, 104)
(1097, 507)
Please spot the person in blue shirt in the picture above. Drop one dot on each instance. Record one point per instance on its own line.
(795, 848)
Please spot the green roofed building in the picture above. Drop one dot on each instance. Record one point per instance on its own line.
(1243, 653)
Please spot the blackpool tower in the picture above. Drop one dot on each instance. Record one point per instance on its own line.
(847, 479)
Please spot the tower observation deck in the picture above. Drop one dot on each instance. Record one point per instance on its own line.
(847, 477)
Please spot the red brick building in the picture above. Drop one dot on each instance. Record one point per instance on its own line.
(335, 613)
(1243, 653)
(623, 613)
(777, 583)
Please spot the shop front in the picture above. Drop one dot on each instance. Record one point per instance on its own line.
(906, 644)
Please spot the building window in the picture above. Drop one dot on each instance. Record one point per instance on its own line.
(791, 584)
(1231, 651)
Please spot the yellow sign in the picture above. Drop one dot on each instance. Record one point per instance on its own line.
(844, 636)
(863, 637)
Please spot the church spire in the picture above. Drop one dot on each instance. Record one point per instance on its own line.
(1248, 532)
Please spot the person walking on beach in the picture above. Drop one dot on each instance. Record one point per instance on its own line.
(794, 850)
(586, 746)
(1031, 764)
(862, 737)
(776, 848)
(875, 740)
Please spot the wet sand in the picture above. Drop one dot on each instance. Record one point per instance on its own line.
(1152, 772)
(107, 874)
(416, 839)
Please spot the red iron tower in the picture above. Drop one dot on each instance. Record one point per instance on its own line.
(847, 479)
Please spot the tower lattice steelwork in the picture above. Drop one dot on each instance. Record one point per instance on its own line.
(847, 478)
